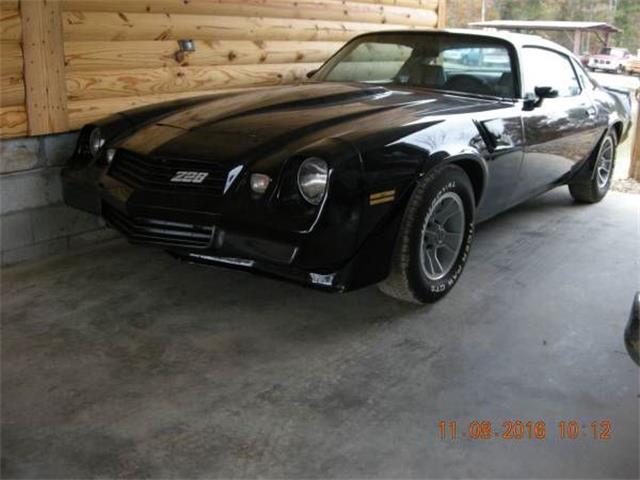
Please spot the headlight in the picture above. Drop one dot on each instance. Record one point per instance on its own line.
(312, 179)
(259, 182)
(111, 152)
(96, 141)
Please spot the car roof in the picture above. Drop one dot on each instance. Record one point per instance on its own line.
(516, 39)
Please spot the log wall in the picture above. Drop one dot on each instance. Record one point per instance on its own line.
(13, 115)
(68, 62)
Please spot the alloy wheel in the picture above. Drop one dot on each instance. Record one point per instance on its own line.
(442, 235)
(605, 163)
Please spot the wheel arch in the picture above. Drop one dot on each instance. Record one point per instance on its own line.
(617, 127)
(476, 169)
(380, 241)
(585, 170)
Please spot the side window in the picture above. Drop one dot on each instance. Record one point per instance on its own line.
(546, 68)
(586, 81)
(490, 65)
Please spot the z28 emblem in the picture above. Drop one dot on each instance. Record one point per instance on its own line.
(189, 177)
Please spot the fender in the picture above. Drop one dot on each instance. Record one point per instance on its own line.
(624, 130)
(622, 114)
(474, 165)
(585, 172)
(380, 242)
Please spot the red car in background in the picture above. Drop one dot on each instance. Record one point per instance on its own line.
(610, 59)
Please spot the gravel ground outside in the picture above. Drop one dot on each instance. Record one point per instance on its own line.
(626, 185)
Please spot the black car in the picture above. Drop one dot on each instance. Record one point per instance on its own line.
(374, 171)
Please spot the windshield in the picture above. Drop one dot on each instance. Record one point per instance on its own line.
(614, 52)
(459, 63)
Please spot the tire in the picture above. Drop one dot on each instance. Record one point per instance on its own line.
(443, 204)
(596, 186)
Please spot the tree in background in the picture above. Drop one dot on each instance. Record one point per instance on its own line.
(627, 18)
(625, 14)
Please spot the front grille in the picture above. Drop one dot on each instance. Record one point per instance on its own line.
(156, 173)
(158, 232)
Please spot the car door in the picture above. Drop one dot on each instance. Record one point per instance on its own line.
(600, 122)
(559, 132)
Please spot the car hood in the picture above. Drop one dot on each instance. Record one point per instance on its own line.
(240, 127)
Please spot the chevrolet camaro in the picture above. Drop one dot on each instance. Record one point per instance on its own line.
(375, 170)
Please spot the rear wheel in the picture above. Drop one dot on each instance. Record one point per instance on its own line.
(596, 187)
(434, 239)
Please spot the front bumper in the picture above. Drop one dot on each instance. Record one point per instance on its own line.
(213, 245)
(332, 282)
(610, 67)
(196, 238)
(198, 229)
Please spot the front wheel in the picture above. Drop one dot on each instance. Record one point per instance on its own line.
(435, 237)
(596, 187)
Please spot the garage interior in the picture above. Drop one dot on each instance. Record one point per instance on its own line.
(119, 361)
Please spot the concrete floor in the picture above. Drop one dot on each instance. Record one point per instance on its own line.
(120, 361)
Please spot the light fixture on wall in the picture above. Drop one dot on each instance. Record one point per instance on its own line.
(186, 46)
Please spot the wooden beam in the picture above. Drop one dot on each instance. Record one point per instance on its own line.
(92, 56)
(426, 4)
(208, 6)
(46, 96)
(10, 25)
(13, 121)
(577, 42)
(602, 40)
(442, 13)
(10, 58)
(11, 90)
(120, 83)
(338, 10)
(9, 5)
(98, 26)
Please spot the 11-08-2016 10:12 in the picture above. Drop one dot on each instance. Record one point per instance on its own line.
(524, 430)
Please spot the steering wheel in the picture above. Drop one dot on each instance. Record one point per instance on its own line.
(469, 84)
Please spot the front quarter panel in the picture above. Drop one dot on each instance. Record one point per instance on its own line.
(488, 143)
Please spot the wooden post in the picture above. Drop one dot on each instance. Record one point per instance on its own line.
(43, 50)
(577, 40)
(634, 166)
(442, 14)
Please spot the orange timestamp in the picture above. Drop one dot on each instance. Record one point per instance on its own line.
(524, 430)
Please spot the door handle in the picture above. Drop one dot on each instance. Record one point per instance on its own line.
(590, 112)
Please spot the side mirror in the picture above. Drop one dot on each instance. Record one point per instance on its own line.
(311, 73)
(534, 100)
(546, 92)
